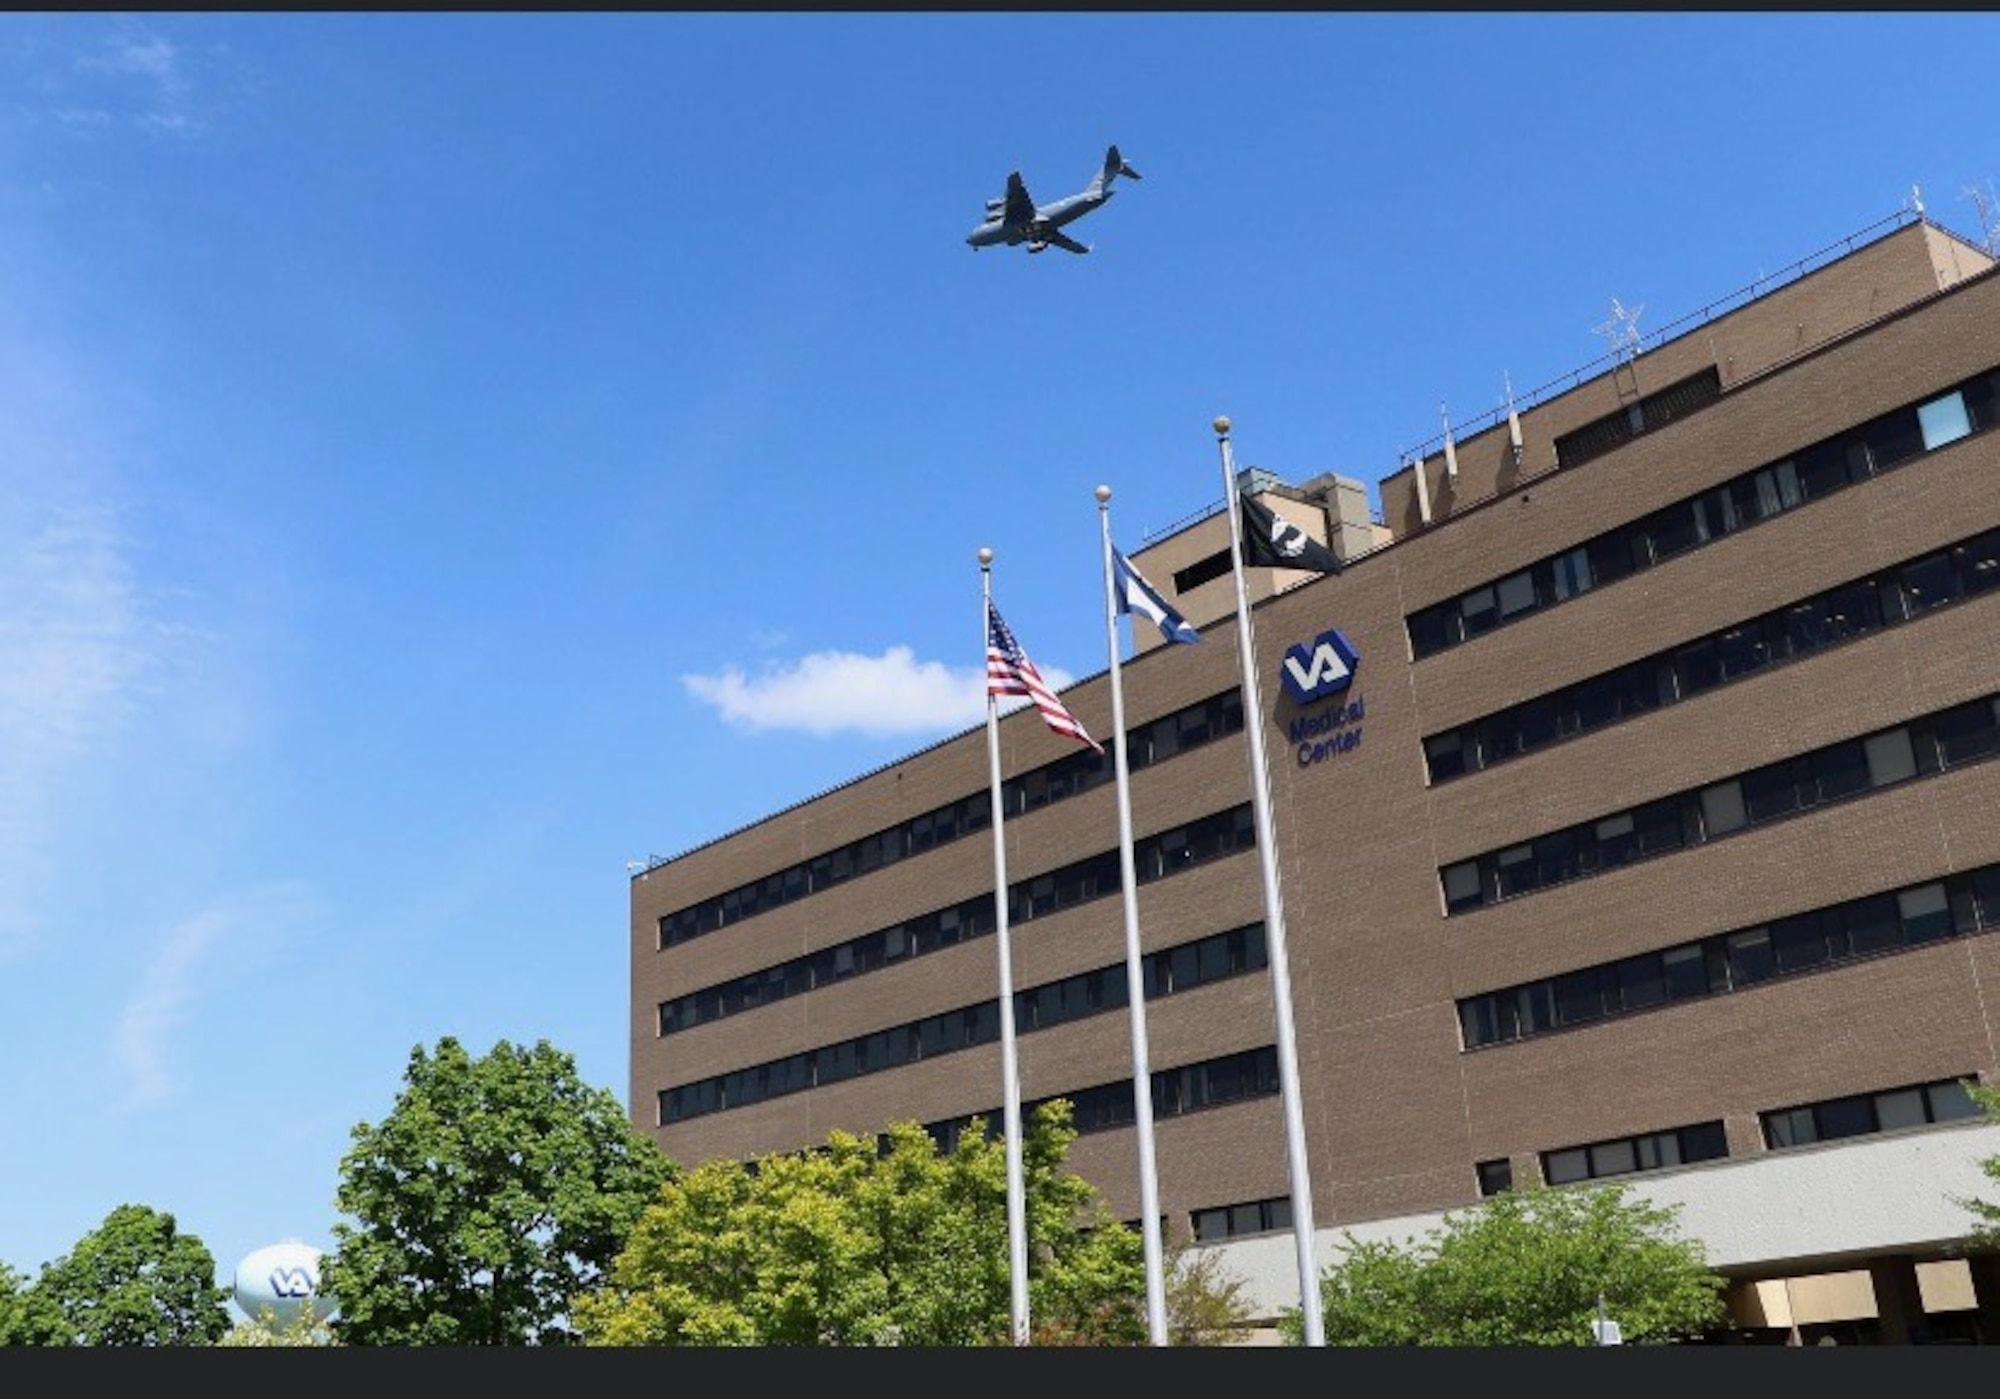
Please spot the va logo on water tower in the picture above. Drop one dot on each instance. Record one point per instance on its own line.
(1326, 667)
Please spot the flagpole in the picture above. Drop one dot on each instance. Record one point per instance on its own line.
(1274, 917)
(1017, 1227)
(1135, 980)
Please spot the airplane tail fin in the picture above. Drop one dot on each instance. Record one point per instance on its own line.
(1114, 166)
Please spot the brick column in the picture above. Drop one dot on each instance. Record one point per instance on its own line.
(1985, 1270)
(1899, 1302)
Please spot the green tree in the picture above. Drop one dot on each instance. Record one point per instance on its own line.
(1525, 1268)
(1205, 1305)
(27, 1316)
(493, 1194)
(135, 1280)
(1986, 1229)
(306, 1328)
(875, 1243)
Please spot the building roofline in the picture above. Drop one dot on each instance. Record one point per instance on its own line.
(1687, 324)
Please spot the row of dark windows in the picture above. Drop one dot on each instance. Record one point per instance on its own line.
(1154, 857)
(1958, 905)
(1642, 415)
(1819, 470)
(1922, 747)
(1235, 1221)
(1233, 1078)
(1651, 1151)
(1155, 742)
(1861, 1114)
(1800, 629)
(1167, 972)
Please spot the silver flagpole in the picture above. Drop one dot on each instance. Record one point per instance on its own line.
(1135, 981)
(1274, 916)
(1017, 1223)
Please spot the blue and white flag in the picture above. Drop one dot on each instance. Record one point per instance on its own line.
(1138, 597)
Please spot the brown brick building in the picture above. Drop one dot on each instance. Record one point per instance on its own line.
(1656, 837)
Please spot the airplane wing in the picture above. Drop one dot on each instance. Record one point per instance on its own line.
(1020, 208)
(1064, 241)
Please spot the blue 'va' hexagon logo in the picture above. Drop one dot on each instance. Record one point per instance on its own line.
(1324, 668)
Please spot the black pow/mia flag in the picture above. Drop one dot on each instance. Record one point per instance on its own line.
(1271, 541)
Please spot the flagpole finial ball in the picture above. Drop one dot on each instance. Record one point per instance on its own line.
(1103, 494)
(1222, 427)
(985, 556)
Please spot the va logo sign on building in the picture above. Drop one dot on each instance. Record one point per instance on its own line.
(1312, 673)
(1326, 667)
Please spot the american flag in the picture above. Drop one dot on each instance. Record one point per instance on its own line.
(1010, 672)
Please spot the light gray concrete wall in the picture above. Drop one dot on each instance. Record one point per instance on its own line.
(1806, 1210)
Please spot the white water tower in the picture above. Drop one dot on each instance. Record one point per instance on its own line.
(283, 1277)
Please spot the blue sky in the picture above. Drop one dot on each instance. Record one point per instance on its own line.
(444, 458)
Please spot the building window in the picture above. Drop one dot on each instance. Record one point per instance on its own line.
(1825, 467)
(1461, 886)
(1168, 972)
(1201, 571)
(1797, 630)
(1649, 413)
(1495, 1176)
(1237, 1221)
(1864, 1114)
(1704, 1141)
(1956, 906)
(1571, 574)
(1158, 856)
(1927, 745)
(1071, 775)
(1215, 1082)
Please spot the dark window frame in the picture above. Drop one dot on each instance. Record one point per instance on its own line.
(1890, 922)
(1785, 635)
(1215, 717)
(1765, 492)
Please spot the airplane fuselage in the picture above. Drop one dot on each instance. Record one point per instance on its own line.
(1015, 218)
(997, 232)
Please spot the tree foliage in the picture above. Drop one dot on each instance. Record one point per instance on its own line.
(495, 1191)
(867, 1243)
(27, 1316)
(305, 1328)
(1526, 1268)
(1205, 1303)
(1986, 1214)
(135, 1280)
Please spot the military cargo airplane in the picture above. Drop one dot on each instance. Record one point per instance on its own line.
(1018, 219)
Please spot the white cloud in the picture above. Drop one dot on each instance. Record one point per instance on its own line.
(140, 1042)
(75, 646)
(67, 618)
(221, 944)
(133, 75)
(832, 692)
(90, 644)
(146, 54)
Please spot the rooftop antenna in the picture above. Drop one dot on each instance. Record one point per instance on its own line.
(1917, 200)
(1989, 215)
(1622, 330)
(1450, 451)
(1513, 419)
